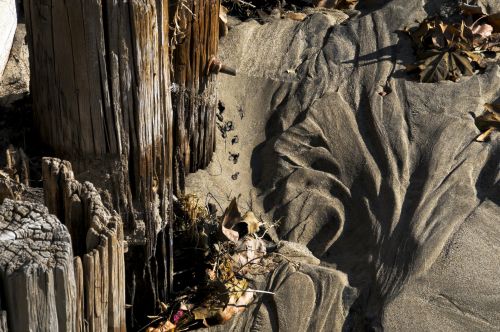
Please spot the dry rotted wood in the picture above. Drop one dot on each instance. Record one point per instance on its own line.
(9, 188)
(98, 241)
(36, 267)
(100, 86)
(101, 97)
(17, 165)
(100, 73)
(196, 37)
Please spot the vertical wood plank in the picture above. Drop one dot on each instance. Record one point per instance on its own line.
(88, 284)
(80, 301)
(195, 101)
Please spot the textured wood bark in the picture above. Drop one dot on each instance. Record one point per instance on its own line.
(101, 97)
(17, 165)
(100, 85)
(36, 269)
(97, 240)
(196, 38)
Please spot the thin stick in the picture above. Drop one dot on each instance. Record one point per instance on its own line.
(484, 136)
(245, 3)
(259, 291)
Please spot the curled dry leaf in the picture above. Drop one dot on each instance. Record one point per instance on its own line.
(223, 28)
(253, 224)
(249, 251)
(488, 122)
(482, 30)
(230, 218)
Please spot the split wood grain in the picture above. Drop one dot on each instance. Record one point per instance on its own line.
(100, 86)
(101, 89)
(196, 39)
(98, 243)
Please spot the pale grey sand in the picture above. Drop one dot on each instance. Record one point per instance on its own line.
(391, 192)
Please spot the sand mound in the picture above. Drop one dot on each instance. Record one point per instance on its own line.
(391, 190)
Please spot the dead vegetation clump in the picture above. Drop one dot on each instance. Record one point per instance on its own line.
(448, 50)
(263, 9)
(216, 259)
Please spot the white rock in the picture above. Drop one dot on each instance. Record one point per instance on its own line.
(8, 23)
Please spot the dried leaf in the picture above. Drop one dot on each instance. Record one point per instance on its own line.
(438, 38)
(494, 21)
(249, 251)
(482, 30)
(223, 28)
(459, 66)
(493, 108)
(438, 65)
(473, 56)
(418, 34)
(485, 135)
(253, 224)
(435, 67)
(295, 16)
(201, 313)
(488, 122)
(449, 51)
(489, 118)
(231, 217)
(492, 43)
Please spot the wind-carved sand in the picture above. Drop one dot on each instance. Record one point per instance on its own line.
(391, 192)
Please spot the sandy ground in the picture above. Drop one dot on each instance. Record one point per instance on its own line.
(391, 190)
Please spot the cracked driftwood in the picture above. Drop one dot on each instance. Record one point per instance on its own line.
(38, 285)
(97, 240)
(42, 287)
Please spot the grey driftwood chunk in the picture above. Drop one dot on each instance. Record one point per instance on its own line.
(36, 270)
(97, 240)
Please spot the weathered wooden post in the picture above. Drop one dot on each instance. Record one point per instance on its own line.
(195, 36)
(101, 88)
(101, 96)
